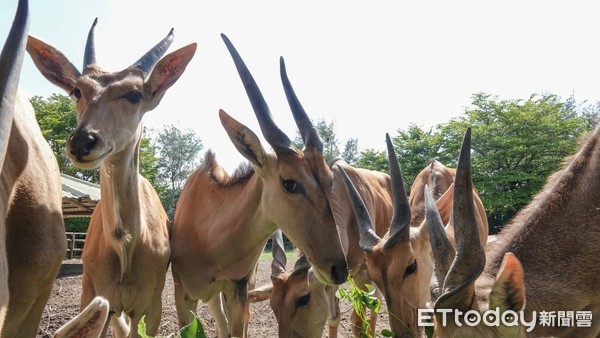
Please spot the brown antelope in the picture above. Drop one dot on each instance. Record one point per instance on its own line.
(301, 303)
(31, 208)
(400, 263)
(127, 248)
(222, 223)
(545, 261)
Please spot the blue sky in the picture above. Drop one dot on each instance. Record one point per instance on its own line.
(372, 66)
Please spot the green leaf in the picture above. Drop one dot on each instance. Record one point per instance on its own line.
(142, 328)
(387, 333)
(193, 330)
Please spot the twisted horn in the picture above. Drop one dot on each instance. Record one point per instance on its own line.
(400, 226)
(89, 57)
(470, 256)
(11, 60)
(368, 237)
(276, 138)
(278, 252)
(443, 252)
(309, 134)
(149, 60)
(302, 263)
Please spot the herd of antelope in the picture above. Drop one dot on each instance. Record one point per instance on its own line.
(426, 251)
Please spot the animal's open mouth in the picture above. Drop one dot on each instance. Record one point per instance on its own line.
(323, 278)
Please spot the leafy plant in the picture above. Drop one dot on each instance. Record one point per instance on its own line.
(192, 330)
(362, 300)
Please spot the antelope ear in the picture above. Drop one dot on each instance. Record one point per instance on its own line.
(444, 204)
(508, 292)
(53, 64)
(260, 294)
(246, 142)
(89, 323)
(168, 70)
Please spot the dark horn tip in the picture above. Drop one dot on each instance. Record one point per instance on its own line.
(172, 31)
(95, 22)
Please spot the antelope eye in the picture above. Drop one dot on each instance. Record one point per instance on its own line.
(303, 301)
(133, 97)
(75, 93)
(291, 186)
(411, 269)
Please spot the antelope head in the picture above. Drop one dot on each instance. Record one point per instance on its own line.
(457, 271)
(110, 106)
(298, 299)
(400, 263)
(297, 184)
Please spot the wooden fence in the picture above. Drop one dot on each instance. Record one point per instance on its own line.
(75, 241)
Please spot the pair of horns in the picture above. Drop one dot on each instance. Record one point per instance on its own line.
(459, 269)
(400, 226)
(279, 258)
(145, 63)
(276, 138)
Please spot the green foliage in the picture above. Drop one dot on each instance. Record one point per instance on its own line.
(373, 160)
(77, 224)
(192, 330)
(516, 145)
(331, 148)
(177, 158)
(361, 301)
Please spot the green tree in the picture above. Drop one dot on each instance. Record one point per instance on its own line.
(415, 147)
(373, 160)
(516, 145)
(177, 158)
(331, 146)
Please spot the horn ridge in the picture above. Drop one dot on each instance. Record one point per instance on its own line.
(469, 261)
(278, 252)
(309, 133)
(149, 60)
(89, 57)
(11, 62)
(276, 138)
(368, 237)
(400, 225)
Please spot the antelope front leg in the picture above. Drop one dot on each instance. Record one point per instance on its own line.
(238, 311)
(215, 306)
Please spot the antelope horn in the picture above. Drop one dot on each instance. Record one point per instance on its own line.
(89, 57)
(149, 60)
(443, 252)
(470, 256)
(309, 134)
(11, 60)
(276, 138)
(302, 263)
(400, 226)
(368, 237)
(279, 258)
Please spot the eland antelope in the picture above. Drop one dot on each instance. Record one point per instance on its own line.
(401, 262)
(301, 303)
(127, 251)
(222, 222)
(547, 259)
(32, 234)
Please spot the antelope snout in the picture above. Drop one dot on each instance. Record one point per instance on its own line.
(82, 143)
(339, 272)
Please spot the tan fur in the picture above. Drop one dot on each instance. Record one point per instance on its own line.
(127, 247)
(555, 238)
(221, 225)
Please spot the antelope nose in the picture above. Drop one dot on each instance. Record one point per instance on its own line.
(339, 273)
(83, 143)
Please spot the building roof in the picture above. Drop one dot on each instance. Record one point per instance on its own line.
(79, 197)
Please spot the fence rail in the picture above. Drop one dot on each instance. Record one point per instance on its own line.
(75, 242)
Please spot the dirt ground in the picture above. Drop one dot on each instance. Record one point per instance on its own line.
(64, 304)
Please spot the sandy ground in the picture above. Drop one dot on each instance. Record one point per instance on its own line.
(64, 304)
